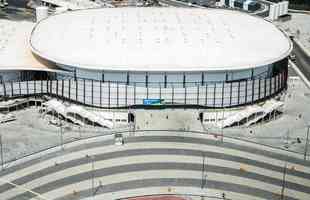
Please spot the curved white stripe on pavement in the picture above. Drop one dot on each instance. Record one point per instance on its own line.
(226, 139)
(141, 159)
(155, 174)
(173, 190)
(147, 145)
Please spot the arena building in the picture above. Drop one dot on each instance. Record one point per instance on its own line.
(122, 56)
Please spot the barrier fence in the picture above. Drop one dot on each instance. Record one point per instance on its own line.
(116, 95)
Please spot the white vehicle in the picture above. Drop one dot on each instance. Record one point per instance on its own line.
(292, 57)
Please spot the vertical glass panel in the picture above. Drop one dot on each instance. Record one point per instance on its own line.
(241, 74)
(89, 74)
(279, 66)
(156, 78)
(137, 77)
(175, 78)
(261, 71)
(192, 79)
(115, 77)
(214, 76)
(10, 75)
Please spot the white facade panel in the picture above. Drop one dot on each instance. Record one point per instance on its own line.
(275, 14)
(231, 3)
(221, 3)
(282, 8)
(286, 3)
(246, 5)
(272, 12)
(89, 74)
(277, 11)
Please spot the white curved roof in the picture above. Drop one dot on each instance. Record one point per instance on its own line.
(15, 53)
(159, 39)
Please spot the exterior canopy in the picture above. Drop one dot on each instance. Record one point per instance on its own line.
(159, 39)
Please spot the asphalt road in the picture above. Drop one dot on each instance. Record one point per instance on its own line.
(302, 60)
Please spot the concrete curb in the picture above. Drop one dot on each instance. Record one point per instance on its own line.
(300, 74)
(307, 51)
(299, 11)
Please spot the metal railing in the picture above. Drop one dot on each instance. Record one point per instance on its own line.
(119, 95)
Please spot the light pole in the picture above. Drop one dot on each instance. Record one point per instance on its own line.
(92, 172)
(203, 173)
(61, 137)
(92, 158)
(306, 145)
(1, 151)
(80, 132)
(222, 131)
(283, 180)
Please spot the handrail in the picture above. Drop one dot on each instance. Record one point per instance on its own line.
(56, 147)
(177, 194)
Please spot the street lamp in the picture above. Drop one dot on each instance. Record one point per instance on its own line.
(61, 137)
(1, 151)
(92, 159)
(203, 172)
(306, 144)
(283, 180)
(222, 131)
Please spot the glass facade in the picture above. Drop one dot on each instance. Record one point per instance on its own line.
(124, 89)
(118, 95)
(176, 79)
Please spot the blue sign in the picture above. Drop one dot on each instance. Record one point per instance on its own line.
(152, 101)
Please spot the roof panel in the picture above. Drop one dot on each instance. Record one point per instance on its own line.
(159, 39)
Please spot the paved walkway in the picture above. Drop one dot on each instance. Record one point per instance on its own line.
(160, 163)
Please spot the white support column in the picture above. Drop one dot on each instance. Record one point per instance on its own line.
(277, 10)
(246, 5)
(282, 12)
(271, 12)
(231, 3)
(221, 3)
(280, 8)
(286, 3)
